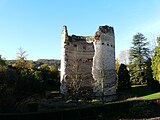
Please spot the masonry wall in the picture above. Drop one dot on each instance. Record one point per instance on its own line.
(79, 58)
(103, 69)
(90, 59)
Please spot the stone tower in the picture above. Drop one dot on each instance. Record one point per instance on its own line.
(64, 38)
(91, 59)
(103, 68)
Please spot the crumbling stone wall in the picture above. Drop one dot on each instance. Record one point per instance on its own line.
(91, 59)
(103, 68)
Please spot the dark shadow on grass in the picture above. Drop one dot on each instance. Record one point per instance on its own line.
(134, 91)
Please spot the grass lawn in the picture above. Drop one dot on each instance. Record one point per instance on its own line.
(144, 107)
(139, 92)
(152, 96)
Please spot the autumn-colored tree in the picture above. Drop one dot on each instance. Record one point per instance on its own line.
(117, 69)
(117, 65)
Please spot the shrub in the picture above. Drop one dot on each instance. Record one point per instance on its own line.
(123, 77)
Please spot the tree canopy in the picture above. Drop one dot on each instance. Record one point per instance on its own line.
(156, 61)
(139, 53)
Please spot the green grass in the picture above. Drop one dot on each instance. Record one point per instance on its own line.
(139, 92)
(152, 96)
(135, 91)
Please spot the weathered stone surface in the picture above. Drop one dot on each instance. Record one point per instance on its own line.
(91, 59)
(103, 69)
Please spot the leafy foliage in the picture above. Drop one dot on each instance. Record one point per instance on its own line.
(148, 75)
(21, 81)
(7, 83)
(153, 84)
(139, 53)
(2, 62)
(117, 69)
(27, 85)
(156, 61)
(49, 76)
(117, 65)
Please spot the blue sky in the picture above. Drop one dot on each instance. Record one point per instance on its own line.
(36, 25)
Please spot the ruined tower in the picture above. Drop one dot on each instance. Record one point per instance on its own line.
(103, 68)
(90, 59)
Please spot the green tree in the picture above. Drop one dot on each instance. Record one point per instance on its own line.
(153, 84)
(21, 60)
(2, 62)
(27, 83)
(156, 61)
(38, 75)
(54, 73)
(139, 53)
(44, 68)
(149, 75)
(123, 77)
(18, 85)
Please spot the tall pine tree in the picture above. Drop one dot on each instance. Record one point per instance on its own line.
(139, 53)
